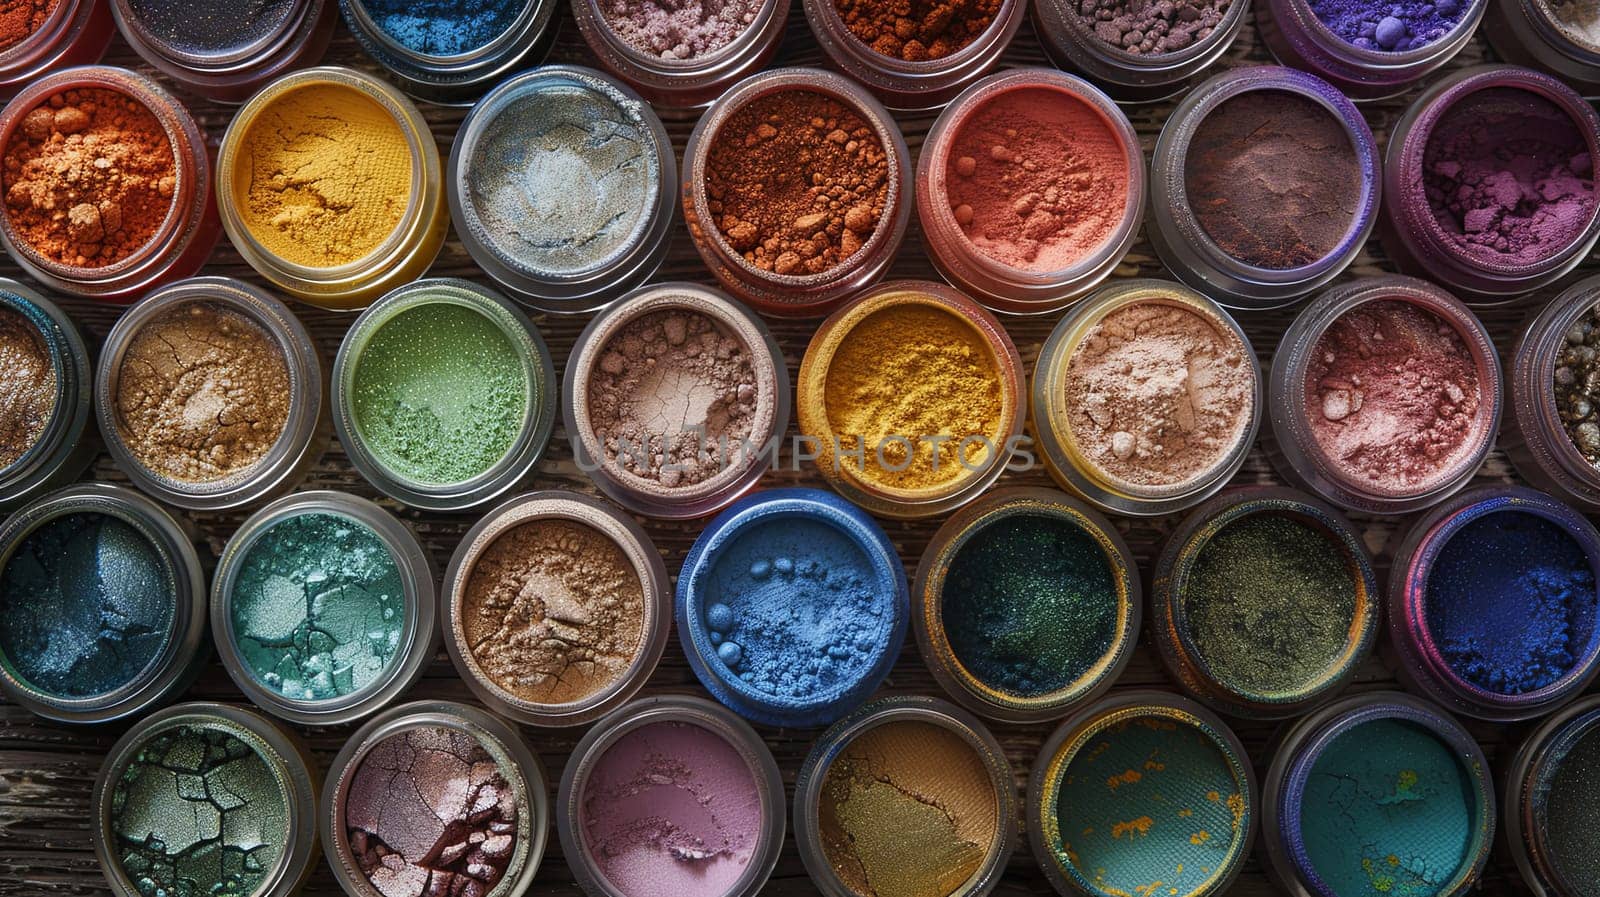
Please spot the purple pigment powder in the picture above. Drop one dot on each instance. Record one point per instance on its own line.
(671, 809)
(678, 29)
(1391, 27)
(1508, 176)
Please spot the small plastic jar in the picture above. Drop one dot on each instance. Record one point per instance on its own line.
(1070, 42)
(74, 32)
(1292, 442)
(704, 365)
(1554, 36)
(1537, 437)
(722, 793)
(452, 75)
(1177, 621)
(1298, 39)
(1323, 249)
(923, 747)
(914, 85)
(1399, 777)
(355, 809)
(164, 623)
(1045, 541)
(1187, 821)
(221, 51)
(685, 80)
(188, 232)
(396, 590)
(556, 608)
(264, 830)
(910, 354)
(63, 443)
(1549, 785)
(1439, 656)
(395, 441)
(547, 197)
(400, 257)
(816, 578)
(283, 464)
(1082, 458)
(791, 294)
(1410, 227)
(1079, 120)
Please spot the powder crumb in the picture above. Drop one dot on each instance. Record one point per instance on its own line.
(202, 393)
(1158, 395)
(678, 29)
(1151, 27)
(1037, 179)
(797, 182)
(1392, 393)
(1390, 26)
(89, 177)
(553, 611)
(21, 19)
(672, 398)
(1576, 384)
(917, 30)
(27, 386)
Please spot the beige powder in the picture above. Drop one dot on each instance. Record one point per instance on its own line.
(27, 386)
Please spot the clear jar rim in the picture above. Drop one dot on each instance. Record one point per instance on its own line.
(69, 359)
(1387, 61)
(518, 30)
(1086, 40)
(132, 27)
(593, 20)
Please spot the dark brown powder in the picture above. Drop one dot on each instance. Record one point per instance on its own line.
(797, 182)
(1273, 179)
(202, 393)
(27, 386)
(917, 30)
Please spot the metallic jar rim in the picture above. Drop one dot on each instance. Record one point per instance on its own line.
(229, 75)
(456, 80)
(67, 445)
(1536, 438)
(1529, 782)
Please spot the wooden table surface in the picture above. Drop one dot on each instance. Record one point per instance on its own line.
(47, 769)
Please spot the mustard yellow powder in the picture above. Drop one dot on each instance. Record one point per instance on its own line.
(914, 371)
(323, 175)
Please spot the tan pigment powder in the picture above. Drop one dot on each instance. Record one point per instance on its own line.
(27, 386)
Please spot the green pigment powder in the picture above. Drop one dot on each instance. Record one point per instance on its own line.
(1572, 814)
(1150, 806)
(439, 393)
(1387, 812)
(318, 607)
(197, 812)
(1269, 604)
(1030, 604)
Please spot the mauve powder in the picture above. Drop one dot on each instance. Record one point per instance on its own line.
(671, 809)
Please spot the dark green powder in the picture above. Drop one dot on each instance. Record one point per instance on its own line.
(1030, 604)
(1573, 815)
(1269, 604)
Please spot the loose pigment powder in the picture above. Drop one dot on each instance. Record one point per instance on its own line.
(1576, 383)
(679, 29)
(1141, 28)
(919, 30)
(1572, 806)
(27, 386)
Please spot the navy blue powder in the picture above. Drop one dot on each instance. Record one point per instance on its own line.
(1511, 601)
(444, 27)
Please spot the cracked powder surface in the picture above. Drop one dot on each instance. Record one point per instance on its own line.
(198, 812)
(429, 812)
(202, 393)
(553, 611)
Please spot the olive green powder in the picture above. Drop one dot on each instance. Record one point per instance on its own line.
(439, 393)
(1269, 604)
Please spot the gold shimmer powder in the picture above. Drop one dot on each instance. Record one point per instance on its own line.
(202, 393)
(27, 386)
(908, 810)
(553, 611)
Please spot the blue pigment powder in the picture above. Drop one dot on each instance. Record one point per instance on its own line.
(444, 27)
(1030, 604)
(1511, 602)
(86, 604)
(1387, 811)
(318, 608)
(1390, 26)
(794, 609)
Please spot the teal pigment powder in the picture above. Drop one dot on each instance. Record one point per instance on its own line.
(1030, 604)
(1388, 811)
(197, 812)
(793, 609)
(318, 608)
(1149, 805)
(1572, 815)
(439, 393)
(87, 603)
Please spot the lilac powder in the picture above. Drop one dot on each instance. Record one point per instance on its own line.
(678, 29)
(1393, 27)
(1508, 176)
(671, 809)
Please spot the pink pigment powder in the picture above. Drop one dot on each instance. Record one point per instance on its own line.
(671, 810)
(1037, 179)
(678, 29)
(1392, 392)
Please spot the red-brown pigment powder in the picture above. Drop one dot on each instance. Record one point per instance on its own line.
(797, 182)
(19, 19)
(917, 30)
(89, 177)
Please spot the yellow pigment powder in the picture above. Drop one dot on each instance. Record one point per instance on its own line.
(323, 175)
(912, 373)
